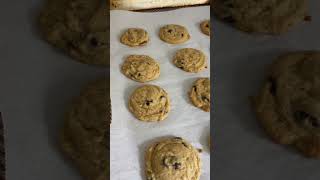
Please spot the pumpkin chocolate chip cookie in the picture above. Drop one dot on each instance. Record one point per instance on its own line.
(174, 34)
(288, 105)
(78, 27)
(263, 16)
(141, 68)
(172, 159)
(135, 37)
(149, 103)
(200, 94)
(85, 134)
(190, 60)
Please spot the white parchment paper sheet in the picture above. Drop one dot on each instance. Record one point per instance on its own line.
(129, 136)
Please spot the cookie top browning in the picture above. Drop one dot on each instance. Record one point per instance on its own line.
(78, 27)
(190, 60)
(85, 133)
(205, 27)
(149, 103)
(172, 159)
(200, 94)
(263, 16)
(135, 37)
(174, 34)
(288, 105)
(141, 68)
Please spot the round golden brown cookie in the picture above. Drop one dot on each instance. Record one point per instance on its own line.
(200, 94)
(174, 34)
(149, 103)
(85, 134)
(190, 60)
(135, 37)
(141, 68)
(172, 159)
(263, 16)
(288, 105)
(205, 27)
(78, 27)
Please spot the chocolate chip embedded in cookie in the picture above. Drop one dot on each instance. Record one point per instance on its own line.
(85, 133)
(200, 94)
(190, 60)
(205, 27)
(78, 27)
(141, 68)
(172, 159)
(149, 103)
(288, 105)
(263, 16)
(174, 34)
(135, 37)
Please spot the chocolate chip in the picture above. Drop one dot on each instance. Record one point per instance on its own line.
(177, 165)
(230, 5)
(308, 18)
(139, 74)
(170, 31)
(207, 25)
(184, 144)
(94, 42)
(273, 85)
(302, 116)
(205, 99)
(194, 88)
(148, 102)
(200, 150)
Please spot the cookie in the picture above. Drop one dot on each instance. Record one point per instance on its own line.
(263, 16)
(172, 159)
(174, 34)
(85, 135)
(200, 94)
(135, 37)
(79, 28)
(141, 68)
(190, 60)
(205, 27)
(288, 105)
(149, 103)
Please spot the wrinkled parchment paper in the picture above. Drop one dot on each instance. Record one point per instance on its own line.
(129, 136)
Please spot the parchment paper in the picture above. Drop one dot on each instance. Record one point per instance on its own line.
(129, 136)
(243, 150)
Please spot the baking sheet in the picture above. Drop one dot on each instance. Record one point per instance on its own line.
(129, 136)
(37, 84)
(243, 151)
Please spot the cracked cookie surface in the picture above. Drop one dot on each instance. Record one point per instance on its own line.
(263, 16)
(190, 60)
(288, 105)
(200, 94)
(174, 34)
(85, 134)
(141, 68)
(172, 159)
(205, 27)
(149, 103)
(78, 27)
(135, 37)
